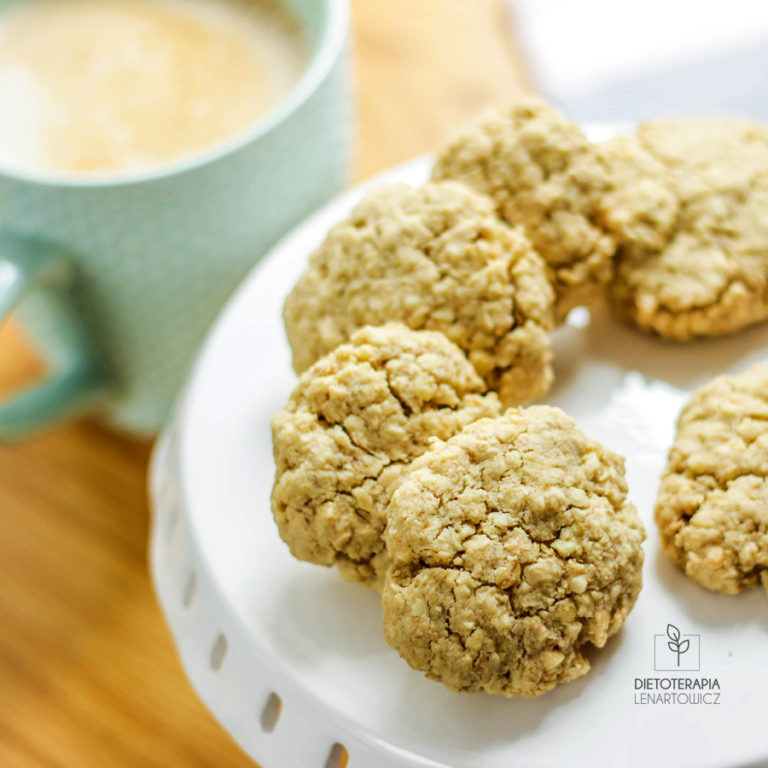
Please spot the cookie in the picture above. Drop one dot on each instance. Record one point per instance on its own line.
(433, 258)
(689, 210)
(544, 175)
(712, 508)
(512, 545)
(356, 420)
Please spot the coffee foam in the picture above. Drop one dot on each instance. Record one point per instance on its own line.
(114, 85)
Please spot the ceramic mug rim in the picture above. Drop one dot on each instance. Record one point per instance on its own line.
(333, 37)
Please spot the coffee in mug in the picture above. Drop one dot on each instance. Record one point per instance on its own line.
(114, 85)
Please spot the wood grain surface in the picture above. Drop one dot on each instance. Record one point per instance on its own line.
(88, 673)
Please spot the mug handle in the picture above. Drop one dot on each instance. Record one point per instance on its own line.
(75, 382)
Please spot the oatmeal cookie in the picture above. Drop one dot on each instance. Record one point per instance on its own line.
(432, 258)
(349, 431)
(712, 509)
(512, 545)
(689, 210)
(543, 174)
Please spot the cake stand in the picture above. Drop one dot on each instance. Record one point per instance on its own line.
(291, 659)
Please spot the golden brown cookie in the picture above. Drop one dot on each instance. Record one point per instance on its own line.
(512, 545)
(433, 258)
(353, 424)
(689, 208)
(712, 509)
(544, 175)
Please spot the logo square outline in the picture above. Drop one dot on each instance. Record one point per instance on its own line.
(683, 668)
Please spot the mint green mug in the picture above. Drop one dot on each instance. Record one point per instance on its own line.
(116, 279)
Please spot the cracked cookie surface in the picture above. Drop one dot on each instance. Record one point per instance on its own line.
(689, 210)
(543, 174)
(712, 508)
(512, 545)
(353, 424)
(433, 258)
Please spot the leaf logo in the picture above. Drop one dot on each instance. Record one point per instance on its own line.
(675, 644)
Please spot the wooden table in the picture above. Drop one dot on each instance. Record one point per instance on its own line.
(88, 673)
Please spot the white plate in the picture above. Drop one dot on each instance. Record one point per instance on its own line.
(250, 620)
